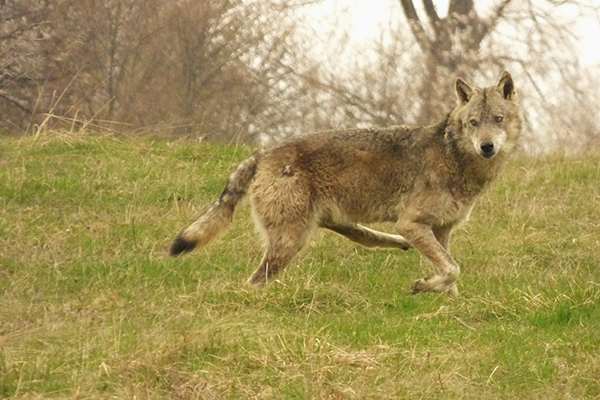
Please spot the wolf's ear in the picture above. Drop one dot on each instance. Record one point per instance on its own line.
(506, 86)
(463, 91)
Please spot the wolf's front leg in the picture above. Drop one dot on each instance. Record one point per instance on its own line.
(422, 238)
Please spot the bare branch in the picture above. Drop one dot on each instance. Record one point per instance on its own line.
(17, 102)
(460, 7)
(415, 24)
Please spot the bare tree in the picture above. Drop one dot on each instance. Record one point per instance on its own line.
(406, 75)
(27, 59)
(211, 68)
(535, 39)
(450, 43)
(224, 67)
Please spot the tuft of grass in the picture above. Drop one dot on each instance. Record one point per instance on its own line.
(92, 306)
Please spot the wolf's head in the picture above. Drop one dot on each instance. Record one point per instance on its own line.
(489, 119)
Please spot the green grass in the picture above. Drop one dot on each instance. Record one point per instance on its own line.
(92, 306)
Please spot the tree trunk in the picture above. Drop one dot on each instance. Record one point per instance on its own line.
(449, 45)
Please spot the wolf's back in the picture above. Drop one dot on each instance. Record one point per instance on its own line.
(218, 217)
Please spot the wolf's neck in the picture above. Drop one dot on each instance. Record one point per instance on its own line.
(479, 172)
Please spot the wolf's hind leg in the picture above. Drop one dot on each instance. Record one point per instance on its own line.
(274, 260)
(283, 243)
(422, 237)
(368, 237)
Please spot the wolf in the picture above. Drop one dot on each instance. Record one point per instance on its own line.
(424, 179)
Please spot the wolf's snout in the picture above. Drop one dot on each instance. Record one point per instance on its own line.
(488, 150)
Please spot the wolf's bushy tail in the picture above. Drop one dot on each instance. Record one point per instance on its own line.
(219, 215)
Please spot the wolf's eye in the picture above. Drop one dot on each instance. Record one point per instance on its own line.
(498, 118)
(473, 122)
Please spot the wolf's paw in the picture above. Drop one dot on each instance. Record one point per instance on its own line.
(420, 285)
(257, 279)
(260, 277)
(452, 291)
(433, 285)
(405, 246)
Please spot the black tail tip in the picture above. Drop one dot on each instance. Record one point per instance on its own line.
(180, 245)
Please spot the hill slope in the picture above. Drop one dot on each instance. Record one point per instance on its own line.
(91, 306)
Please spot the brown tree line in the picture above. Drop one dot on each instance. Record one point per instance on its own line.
(233, 70)
(211, 68)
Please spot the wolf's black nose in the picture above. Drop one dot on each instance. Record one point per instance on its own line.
(487, 150)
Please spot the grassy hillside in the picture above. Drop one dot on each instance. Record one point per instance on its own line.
(92, 306)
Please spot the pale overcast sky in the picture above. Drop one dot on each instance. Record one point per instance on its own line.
(367, 15)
